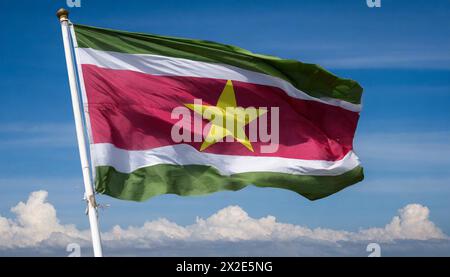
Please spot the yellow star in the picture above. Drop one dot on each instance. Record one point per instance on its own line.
(226, 118)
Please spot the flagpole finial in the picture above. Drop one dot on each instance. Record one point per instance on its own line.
(62, 14)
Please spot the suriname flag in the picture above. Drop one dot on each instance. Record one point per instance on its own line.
(167, 115)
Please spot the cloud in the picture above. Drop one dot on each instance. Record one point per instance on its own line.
(405, 148)
(362, 54)
(401, 59)
(229, 231)
(234, 224)
(411, 223)
(50, 135)
(35, 222)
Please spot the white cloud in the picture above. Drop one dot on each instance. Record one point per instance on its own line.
(400, 148)
(50, 135)
(35, 222)
(411, 223)
(234, 224)
(36, 225)
(401, 59)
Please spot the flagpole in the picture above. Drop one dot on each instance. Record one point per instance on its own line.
(63, 16)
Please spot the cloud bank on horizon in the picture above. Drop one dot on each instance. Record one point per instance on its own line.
(36, 230)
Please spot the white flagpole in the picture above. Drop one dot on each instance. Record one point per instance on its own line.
(63, 16)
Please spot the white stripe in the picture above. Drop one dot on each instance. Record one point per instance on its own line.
(87, 119)
(169, 66)
(126, 161)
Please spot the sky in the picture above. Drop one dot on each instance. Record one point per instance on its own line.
(399, 53)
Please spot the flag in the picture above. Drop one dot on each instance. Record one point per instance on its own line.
(167, 115)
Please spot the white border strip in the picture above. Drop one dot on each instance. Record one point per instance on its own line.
(169, 66)
(127, 161)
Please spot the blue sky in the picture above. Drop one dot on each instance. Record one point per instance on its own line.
(399, 53)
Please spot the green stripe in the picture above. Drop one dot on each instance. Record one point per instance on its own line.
(151, 181)
(309, 78)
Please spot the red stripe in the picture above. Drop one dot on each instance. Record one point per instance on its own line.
(132, 111)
